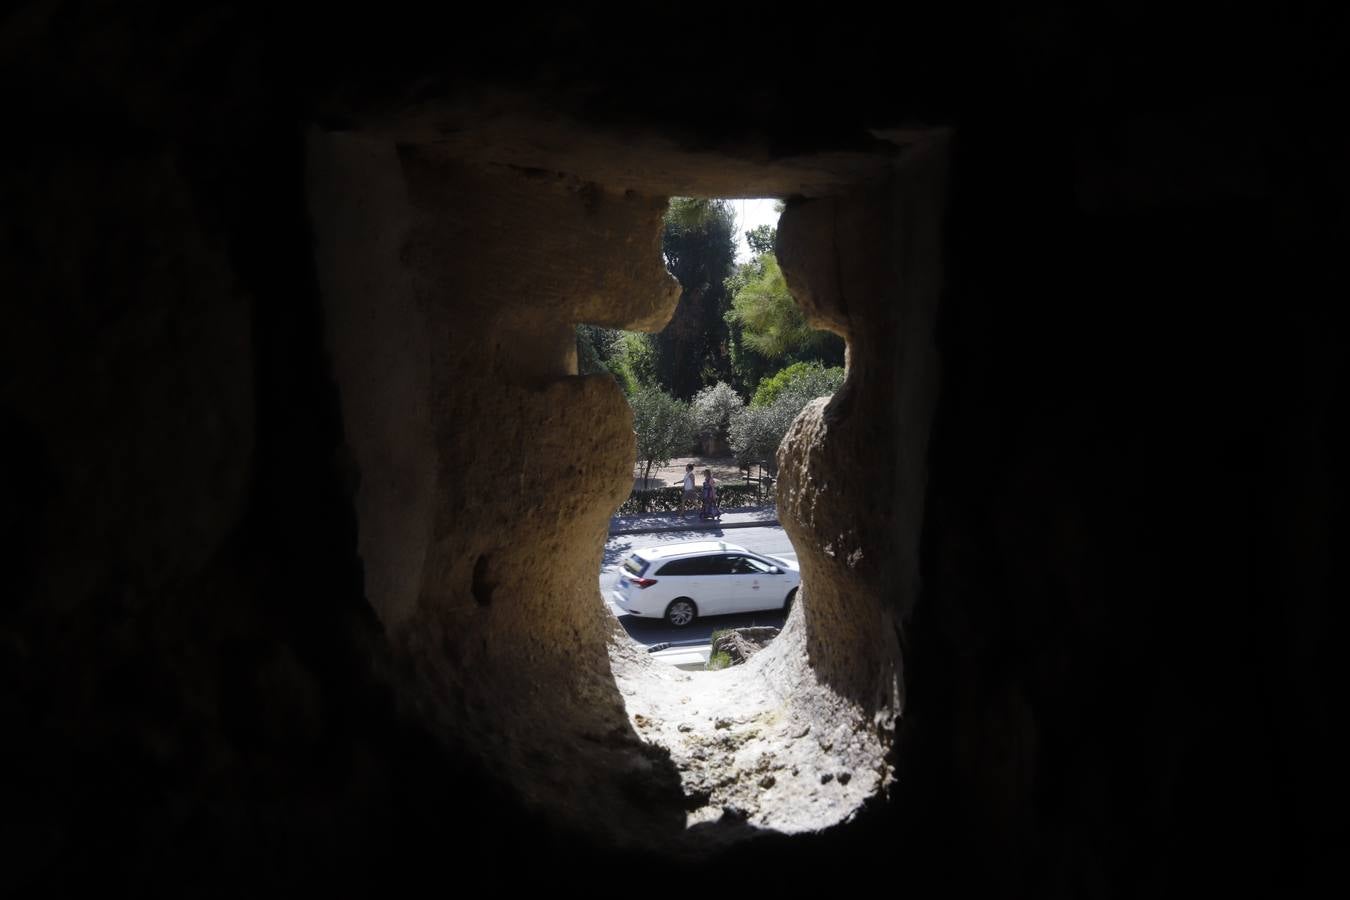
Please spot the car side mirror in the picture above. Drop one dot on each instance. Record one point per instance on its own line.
(776, 570)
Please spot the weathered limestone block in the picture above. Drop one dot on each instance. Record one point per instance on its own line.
(850, 492)
(742, 643)
(488, 469)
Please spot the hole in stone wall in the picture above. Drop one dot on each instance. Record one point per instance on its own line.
(697, 570)
(452, 288)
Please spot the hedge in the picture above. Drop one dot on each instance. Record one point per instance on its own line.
(729, 496)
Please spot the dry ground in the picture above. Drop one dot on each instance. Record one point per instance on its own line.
(724, 469)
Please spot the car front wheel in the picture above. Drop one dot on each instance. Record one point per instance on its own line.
(681, 612)
(787, 601)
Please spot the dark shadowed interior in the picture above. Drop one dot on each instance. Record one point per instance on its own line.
(305, 497)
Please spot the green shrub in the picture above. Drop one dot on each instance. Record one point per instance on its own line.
(729, 496)
(720, 659)
(806, 378)
(758, 429)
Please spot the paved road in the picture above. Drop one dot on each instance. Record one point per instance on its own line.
(770, 540)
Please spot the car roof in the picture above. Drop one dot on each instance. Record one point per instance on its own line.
(691, 548)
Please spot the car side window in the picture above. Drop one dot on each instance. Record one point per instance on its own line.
(744, 565)
(717, 564)
(679, 567)
(758, 566)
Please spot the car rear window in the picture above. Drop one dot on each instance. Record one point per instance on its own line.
(635, 565)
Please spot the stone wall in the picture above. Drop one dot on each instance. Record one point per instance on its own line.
(1129, 342)
(488, 468)
(261, 573)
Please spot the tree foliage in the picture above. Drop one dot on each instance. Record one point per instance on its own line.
(635, 363)
(766, 327)
(595, 347)
(700, 251)
(692, 213)
(712, 409)
(758, 429)
(761, 239)
(754, 436)
(771, 321)
(806, 378)
(663, 427)
(626, 355)
(733, 326)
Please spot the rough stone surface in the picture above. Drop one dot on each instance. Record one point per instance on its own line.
(742, 643)
(258, 629)
(453, 521)
(738, 738)
(488, 467)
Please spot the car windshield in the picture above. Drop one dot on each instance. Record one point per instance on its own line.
(635, 565)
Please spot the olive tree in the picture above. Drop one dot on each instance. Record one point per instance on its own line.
(809, 379)
(753, 436)
(663, 427)
(712, 409)
(758, 429)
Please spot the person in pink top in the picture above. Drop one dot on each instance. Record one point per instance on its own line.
(710, 508)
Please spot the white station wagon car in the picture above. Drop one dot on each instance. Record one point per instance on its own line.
(680, 582)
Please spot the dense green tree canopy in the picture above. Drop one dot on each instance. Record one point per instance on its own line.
(771, 321)
(758, 429)
(808, 378)
(699, 248)
(626, 355)
(765, 326)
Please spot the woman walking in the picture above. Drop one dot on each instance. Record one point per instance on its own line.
(687, 499)
(710, 507)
